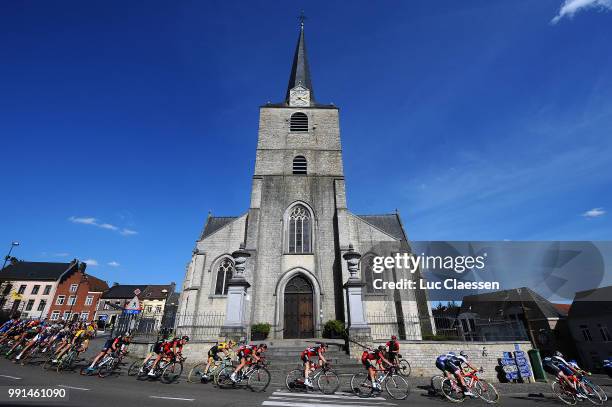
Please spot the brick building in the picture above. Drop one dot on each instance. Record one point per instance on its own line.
(296, 229)
(76, 296)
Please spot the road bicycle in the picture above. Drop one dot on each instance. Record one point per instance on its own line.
(256, 375)
(196, 374)
(323, 378)
(68, 359)
(168, 369)
(589, 384)
(480, 387)
(109, 363)
(569, 395)
(396, 386)
(403, 366)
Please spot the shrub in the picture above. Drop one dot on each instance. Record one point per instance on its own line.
(333, 329)
(261, 328)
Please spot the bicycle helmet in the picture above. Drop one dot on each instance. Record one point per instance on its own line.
(393, 337)
(185, 338)
(464, 354)
(263, 346)
(381, 347)
(558, 354)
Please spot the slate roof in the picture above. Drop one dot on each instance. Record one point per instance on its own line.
(155, 292)
(34, 271)
(535, 304)
(300, 71)
(123, 291)
(214, 223)
(96, 285)
(592, 303)
(389, 223)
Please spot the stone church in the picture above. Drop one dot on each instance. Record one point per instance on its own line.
(297, 229)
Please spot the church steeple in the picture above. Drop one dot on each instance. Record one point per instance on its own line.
(300, 71)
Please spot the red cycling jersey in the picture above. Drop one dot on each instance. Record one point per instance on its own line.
(247, 349)
(393, 345)
(371, 355)
(311, 351)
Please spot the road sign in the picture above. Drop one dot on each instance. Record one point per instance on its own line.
(131, 311)
(137, 292)
(134, 304)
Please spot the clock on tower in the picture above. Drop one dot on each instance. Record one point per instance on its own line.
(299, 96)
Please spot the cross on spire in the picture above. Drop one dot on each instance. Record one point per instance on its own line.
(301, 19)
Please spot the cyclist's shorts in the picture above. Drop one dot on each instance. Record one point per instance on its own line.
(566, 370)
(391, 356)
(551, 368)
(305, 358)
(450, 366)
(241, 355)
(369, 363)
(107, 344)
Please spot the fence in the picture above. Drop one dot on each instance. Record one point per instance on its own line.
(408, 327)
(148, 327)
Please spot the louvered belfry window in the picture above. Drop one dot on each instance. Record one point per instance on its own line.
(298, 122)
(299, 230)
(299, 165)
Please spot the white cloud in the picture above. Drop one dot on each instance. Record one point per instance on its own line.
(594, 213)
(128, 232)
(91, 262)
(571, 7)
(113, 264)
(102, 225)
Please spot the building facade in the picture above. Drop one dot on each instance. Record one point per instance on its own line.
(76, 296)
(297, 228)
(28, 288)
(113, 302)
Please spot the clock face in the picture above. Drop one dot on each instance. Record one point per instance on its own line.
(299, 96)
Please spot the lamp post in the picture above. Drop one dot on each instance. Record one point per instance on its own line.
(8, 256)
(357, 325)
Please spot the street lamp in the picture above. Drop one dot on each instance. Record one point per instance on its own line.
(8, 256)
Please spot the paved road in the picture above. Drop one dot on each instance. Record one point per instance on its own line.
(121, 390)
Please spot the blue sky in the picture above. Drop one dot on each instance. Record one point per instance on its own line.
(124, 123)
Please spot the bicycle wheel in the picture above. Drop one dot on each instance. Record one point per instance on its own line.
(452, 391)
(328, 382)
(196, 373)
(404, 368)
(588, 391)
(397, 387)
(223, 378)
(566, 396)
(172, 372)
(486, 391)
(105, 370)
(85, 371)
(259, 380)
(436, 383)
(295, 380)
(48, 363)
(361, 384)
(597, 389)
(134, 368)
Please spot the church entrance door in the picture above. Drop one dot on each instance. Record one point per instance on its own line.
(299, 315)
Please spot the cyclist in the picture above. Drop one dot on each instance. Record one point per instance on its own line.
(156, 351)
(393, 348)
(454, 364)
(370, 358)
(42, 335)
(248, 354)
(215, 353)
(309, 352)
(441, 364)
(170, 350)
(557, 366)
(111, 345)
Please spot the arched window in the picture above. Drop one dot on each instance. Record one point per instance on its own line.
(299, 230)
(367, 275)
(298, 122)
(224, 273)
(299, 165)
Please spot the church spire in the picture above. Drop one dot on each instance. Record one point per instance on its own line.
(300, 72)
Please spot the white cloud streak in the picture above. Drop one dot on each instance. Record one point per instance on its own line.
(594, 213)
(113, 264)
(102, 225)
(91, 262)
(571, 7)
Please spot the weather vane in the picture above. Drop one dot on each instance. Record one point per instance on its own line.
(302, 18)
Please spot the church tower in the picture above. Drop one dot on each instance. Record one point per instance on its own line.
(294, 199)
(296, 230)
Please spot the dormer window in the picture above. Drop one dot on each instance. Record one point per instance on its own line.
(298, 122)
(299, 165)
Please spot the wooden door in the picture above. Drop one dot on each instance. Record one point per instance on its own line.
(299, 315)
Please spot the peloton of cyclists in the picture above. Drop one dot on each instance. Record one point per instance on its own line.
(309, 352)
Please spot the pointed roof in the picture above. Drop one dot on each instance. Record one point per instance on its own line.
(300, 71)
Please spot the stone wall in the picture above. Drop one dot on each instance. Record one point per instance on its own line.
(422, 354)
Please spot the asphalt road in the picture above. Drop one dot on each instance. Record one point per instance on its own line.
(121, 390)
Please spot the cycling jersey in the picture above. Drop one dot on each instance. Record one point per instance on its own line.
(169, 346)
(369, 358)
(310, 352)
(556, 364)
(246, 350)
